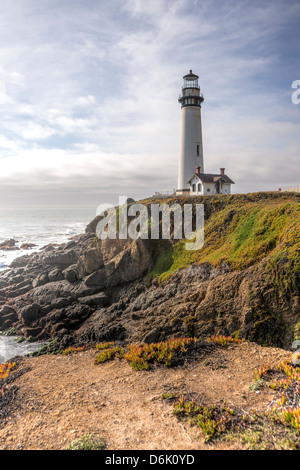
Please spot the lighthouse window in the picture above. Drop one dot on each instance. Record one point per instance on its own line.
(198, 150)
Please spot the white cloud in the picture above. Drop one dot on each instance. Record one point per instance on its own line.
(90, 92)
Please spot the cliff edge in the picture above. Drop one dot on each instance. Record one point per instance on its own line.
(244, 282)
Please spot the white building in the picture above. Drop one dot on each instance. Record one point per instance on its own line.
(205, 184)
(191, 150)
(191, 176)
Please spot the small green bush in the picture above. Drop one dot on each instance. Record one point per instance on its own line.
(87, 442)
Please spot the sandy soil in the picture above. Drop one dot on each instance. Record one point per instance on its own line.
(61, 398)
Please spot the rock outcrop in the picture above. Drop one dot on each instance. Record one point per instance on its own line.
(96, 290)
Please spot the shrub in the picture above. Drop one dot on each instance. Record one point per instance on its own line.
(109, 353)
(224, 340)
(213, 420)
(72, 349)
(140, 356)
(87, 442)
(5, 369)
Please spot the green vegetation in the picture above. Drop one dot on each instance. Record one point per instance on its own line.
(51, 347)
(9, 332)
(277, 428)
(267, 329)
(142, 356)
(224, 340)
(87, 442)
(241, 231)
(109, 353)
(72, 349)
(213, 420)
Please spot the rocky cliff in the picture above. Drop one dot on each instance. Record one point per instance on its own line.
(245, 281)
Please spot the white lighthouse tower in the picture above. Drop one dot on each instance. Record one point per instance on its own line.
(191, 151)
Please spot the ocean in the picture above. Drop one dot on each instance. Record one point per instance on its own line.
(41, 227)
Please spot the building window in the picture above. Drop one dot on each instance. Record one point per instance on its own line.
(194, 188)
(199, 187)
(208, 190)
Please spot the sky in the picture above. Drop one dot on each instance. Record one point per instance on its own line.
(89, 96)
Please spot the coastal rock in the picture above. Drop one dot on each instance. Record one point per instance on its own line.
(8, 317)
(10, 243)
(90, 290)
(46, 294)
(70, 273)
(60, 258)
(40, 280)
(110, 248)
(55, 275)
(96, 300)
(98, 279)
(21, 261)
(90, 261)
(30, 313)
(27, 246)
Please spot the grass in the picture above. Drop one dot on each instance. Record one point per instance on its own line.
(241, 234)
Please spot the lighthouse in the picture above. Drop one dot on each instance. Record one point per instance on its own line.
(191, 147)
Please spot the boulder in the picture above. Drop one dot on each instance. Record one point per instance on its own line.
(110, 247)
(71, 273)
(30, 313)
(98, 278)
(21, 261)
(40, 280)
(90, 261)
(27, 246)
(8, 316)
(97, 300)
(130, 264)
(8, 243)
(60, 258)
(55, 275)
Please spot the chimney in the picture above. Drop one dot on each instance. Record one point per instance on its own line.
(222, 171)
(198, 168)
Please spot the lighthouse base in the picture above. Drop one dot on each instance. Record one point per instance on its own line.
(182, 192)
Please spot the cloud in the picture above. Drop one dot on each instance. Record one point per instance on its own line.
(88, 94)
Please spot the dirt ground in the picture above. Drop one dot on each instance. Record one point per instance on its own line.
(61, 398)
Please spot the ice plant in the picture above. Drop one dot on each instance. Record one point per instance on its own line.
(72, 349)
(224, 340)
(109, 353)
(107, 345)
(213, 420)
(140, 356)
(5, 369)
